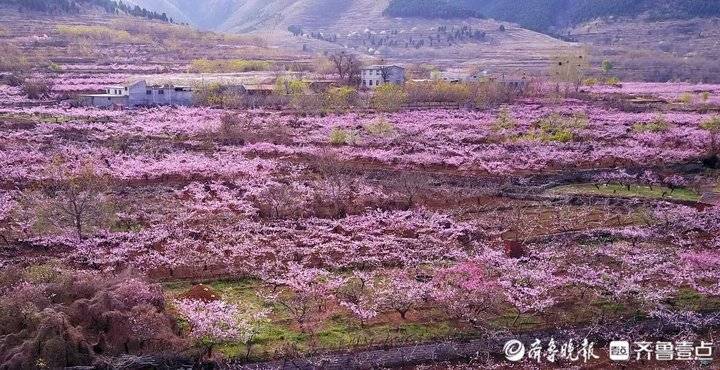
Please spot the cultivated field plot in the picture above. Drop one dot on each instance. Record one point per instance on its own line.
(348, 230)
(654, 50)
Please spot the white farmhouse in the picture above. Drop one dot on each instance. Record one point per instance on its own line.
(139, 94)
(374, 76)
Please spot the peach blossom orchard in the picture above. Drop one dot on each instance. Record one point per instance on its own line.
(415, 216)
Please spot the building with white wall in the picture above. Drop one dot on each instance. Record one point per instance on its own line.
(139, 94)
(377, 75)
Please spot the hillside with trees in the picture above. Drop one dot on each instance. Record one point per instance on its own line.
(78, 6)
(428, 9)
(455, 34)
(547, 15)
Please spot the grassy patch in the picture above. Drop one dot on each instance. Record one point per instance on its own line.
(556, 128)
(226, 66)
(522, 322)
(337, 330)
(244, 290)
(100, 33)
(340, 333)
(270, 341)
(659, 124)
(611, 308)
(635, 191)
(340, 136)
(690, 300)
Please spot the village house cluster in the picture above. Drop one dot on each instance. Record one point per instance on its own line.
(139, 93)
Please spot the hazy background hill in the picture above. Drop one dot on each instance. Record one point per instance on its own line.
(645, 39)
(363, 26)
(261, 15)
(540, 15)
(547, 15)
(206, 14)
(66, 7)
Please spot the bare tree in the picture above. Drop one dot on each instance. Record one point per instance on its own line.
(712, 126)
(347, 66)
(385, 72)
(37, 88)
(411, 186)
(336, 189)
(569, 69)
(280, 201)
(76, 200)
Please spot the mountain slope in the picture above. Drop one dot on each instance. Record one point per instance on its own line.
(549, 15)
(665, 50)
(250, 15)
(428, 9)
(207, 15)
(539, 15)
(164, 6)
(263, 15)
(58, 7)
(362, 26)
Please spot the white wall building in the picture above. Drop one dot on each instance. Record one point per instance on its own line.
(140, 94)
(377, 75)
